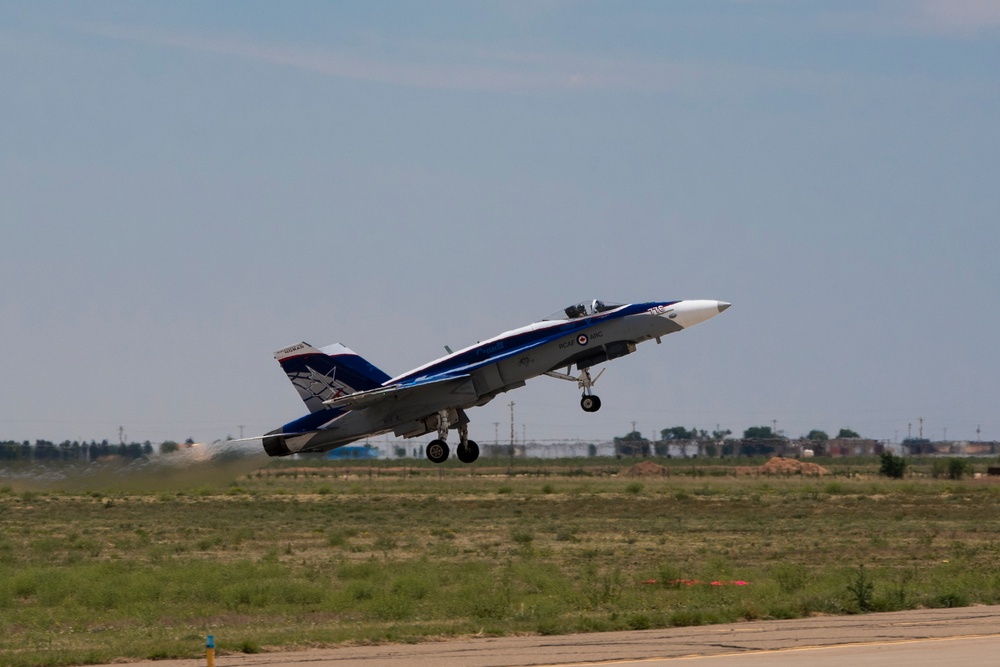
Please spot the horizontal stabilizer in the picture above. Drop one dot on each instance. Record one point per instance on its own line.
(364, 399)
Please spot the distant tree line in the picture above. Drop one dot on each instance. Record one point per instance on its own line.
(752, 433)
(756, 441)
(44, 450)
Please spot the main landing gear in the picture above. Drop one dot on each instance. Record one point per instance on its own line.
(468, 451)
(589, 402)
(438, 450)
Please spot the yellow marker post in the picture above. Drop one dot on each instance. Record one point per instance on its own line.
(210, 650)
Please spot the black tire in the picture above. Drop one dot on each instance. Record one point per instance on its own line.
(469, 453)
(437, 451)
(590, 403)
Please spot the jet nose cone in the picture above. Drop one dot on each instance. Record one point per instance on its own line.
(690, 312)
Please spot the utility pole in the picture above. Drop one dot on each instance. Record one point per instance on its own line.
(512, 434)
(921, 420)
(496, 438)
(241, 431)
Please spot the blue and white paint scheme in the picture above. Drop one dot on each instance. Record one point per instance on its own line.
(349, 398)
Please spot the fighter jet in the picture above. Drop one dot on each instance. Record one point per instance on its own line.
(349, 398)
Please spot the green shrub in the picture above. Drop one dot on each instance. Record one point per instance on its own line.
(862, 590)
(892, 466)
(522, 537)
(958, 468)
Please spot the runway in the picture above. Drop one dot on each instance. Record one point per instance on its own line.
(969, 636)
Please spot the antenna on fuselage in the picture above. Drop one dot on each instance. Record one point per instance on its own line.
(447, 349)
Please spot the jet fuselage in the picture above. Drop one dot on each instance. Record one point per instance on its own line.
(416, 402)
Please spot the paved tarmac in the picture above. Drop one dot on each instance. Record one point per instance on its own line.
(969, 636)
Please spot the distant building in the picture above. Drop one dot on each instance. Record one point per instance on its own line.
(924, 447)
(850, 447)
(352, 452)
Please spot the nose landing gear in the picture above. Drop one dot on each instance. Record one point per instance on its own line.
(589, 402)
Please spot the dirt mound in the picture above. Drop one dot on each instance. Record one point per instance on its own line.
(781, 466)
(647, 469)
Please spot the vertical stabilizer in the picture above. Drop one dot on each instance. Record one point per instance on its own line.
(321, 374)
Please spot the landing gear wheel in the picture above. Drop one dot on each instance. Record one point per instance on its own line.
(590, 403)
(437, 451)
(469, 452)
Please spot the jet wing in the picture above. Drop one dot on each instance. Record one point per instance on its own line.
(365, 399)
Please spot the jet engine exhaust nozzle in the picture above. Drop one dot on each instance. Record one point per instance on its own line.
(274, 444)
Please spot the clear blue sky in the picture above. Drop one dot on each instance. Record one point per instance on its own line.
(186, 187)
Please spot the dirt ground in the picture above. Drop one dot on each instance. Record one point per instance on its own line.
(776, 466)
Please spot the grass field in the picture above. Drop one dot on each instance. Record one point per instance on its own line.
(297, 558)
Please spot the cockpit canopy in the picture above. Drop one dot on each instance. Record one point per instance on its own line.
(578, 310)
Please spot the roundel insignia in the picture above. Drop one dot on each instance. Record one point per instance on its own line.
(582, 339)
